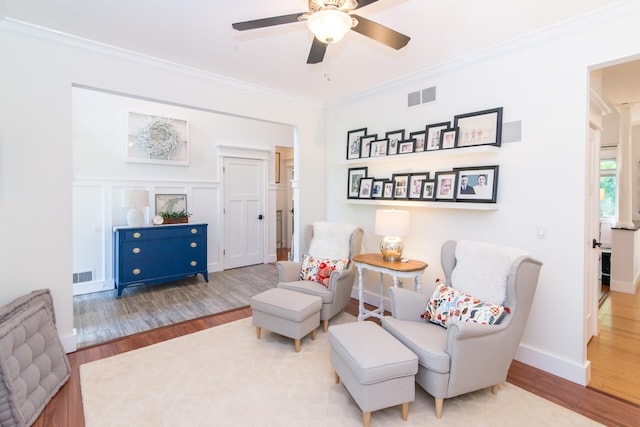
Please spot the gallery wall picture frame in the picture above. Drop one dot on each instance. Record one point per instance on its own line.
(419, 136)
(379, 148)
(406, 146)
(157, 140)
(481, 184)
(365, 186)
(400, 185)
(377, 188)
(479, 128)
(448, 138)
(387, 190)
(365, 145)
(394, 137)
(415, 184)
(171, 203)
(445, 186)
(353, 181)
(354, 142)
(428, 189)
(432, 135)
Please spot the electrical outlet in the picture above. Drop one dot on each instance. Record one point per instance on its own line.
(541, 232)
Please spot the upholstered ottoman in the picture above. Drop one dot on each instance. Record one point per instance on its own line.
(376, 369)
(289, 313)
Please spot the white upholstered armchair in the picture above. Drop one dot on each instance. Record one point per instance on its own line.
(326, 240)
(466, 356)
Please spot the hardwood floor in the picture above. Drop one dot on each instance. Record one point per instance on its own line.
(100, 317)
(615, 352)
(65, 409)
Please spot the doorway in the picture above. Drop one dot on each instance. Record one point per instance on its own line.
(613, 87)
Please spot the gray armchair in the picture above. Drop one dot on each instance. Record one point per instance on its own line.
(466, 356)
(337, 295)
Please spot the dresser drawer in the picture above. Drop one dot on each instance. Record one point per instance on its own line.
(163, 248)
(161, 232)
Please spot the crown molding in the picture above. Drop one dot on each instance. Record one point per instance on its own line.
(25, 29)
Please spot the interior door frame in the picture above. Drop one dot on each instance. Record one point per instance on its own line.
(592, 258)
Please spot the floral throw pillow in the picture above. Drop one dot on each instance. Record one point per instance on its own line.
(319, 269)
(448, 305)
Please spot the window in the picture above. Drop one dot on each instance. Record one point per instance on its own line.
(608, 188)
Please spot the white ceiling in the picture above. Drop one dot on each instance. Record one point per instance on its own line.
(198, 34)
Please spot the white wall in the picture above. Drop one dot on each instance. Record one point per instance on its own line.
(36, 173)
(542, 81)
(101, 173)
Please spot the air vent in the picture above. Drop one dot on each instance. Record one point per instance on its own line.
(421, 96)
(83, 276)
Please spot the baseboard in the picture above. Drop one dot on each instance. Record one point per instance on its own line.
(70, 342)
(580, 374)
(371, 298)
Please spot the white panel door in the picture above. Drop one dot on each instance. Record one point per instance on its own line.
(244, 224)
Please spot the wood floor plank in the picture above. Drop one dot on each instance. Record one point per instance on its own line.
(615, 353)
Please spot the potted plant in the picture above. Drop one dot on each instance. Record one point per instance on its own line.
(178, 217)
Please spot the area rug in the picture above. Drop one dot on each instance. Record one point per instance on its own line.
(225, 376)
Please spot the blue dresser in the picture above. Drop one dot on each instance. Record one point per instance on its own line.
(157, 254)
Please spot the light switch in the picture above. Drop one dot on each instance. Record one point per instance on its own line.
(541, 232)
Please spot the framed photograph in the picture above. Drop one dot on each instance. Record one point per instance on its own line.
(364, 192)
(477, 184)
(353, 142)
(445, 185)
(428, 189)
(394, 137)
(406, 146)
(432, 135)
(277, 167)
(377, 189)
(448, 138)
(400, 185)
(155, 139)
(415, 184)
(387, 190)
(171, 203)
(420, 138)
(479, 128)
(378, 148)
(365, 145)
(353, 181)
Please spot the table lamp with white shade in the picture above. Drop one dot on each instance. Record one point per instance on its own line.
(135, 199)
(393, 225)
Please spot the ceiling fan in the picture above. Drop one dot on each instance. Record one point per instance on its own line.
(329, 20)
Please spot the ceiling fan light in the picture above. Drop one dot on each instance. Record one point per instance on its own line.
(329, 25)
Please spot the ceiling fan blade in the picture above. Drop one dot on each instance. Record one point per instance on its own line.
(380, 33)
(316, 54)
(267, 22)
(363, 3)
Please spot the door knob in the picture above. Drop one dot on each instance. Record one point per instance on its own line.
(260, 216)
(595, 244)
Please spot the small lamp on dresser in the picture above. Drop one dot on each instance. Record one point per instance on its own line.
(135, 199)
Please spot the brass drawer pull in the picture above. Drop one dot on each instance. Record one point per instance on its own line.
(136, 250)
(193, 263)
(136, 271)
(194, 231)
(136, 235)
(194, 244)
